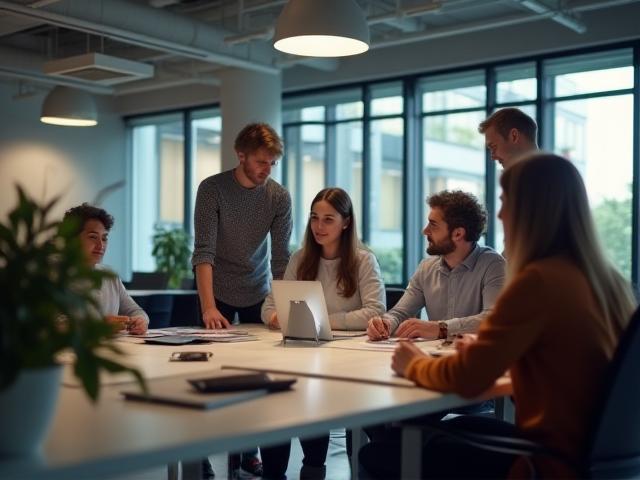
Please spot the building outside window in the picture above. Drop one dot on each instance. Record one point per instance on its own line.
(357, 138)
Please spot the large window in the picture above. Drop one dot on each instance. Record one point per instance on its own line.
(595, 132)
(392, 143)
(386, 172)
(326, 138)
(163, 163)
(453, 152)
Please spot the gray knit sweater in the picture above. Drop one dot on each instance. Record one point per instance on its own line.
(232, 229)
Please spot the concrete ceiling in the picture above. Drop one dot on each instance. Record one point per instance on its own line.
(190, 41)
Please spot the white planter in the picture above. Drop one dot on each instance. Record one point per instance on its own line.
(26, 410)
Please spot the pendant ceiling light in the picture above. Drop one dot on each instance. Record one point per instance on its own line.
(322, 28)
(69, 107)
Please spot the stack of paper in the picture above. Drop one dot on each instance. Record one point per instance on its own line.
(182, 335)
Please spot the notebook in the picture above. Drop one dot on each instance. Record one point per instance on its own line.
(179, 392)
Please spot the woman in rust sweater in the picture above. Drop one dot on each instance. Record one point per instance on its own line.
(555, 326)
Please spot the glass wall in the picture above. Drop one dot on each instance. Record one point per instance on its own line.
(161, 163)
(595, 131)
(389, 142)
(386, 173)
(158, 183)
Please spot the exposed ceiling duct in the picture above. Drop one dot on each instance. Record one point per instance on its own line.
(149, 27)
(99, 68)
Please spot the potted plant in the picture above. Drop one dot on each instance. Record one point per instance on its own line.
(172, 254)
(48, 307)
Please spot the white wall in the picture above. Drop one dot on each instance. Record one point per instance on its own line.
(49, 160)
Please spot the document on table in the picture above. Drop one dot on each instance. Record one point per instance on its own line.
(435, 348)
(223, 335)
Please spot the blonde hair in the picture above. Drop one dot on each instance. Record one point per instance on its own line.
(547, 210)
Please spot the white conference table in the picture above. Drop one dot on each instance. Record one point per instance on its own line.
(116, 436)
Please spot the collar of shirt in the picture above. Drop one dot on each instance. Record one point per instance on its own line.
(468, 263)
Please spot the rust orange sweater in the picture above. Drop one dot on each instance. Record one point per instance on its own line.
(547, 328)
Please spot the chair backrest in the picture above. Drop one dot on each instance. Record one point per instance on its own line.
(615, 446)
(149, 281)
(188, 283)
(393, 294)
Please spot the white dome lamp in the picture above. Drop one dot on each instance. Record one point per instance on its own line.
(69, 107)
(322, 28)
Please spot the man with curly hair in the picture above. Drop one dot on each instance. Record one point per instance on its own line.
(457, 285)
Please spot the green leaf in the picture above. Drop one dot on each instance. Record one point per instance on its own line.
(48, 303)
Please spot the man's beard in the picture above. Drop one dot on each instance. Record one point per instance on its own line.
(442, 248)
(251, 175)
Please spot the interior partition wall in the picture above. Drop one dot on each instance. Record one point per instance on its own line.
(393, 142)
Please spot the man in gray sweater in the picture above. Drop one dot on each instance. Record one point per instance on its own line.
(237, 213)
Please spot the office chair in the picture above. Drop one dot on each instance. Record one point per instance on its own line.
(149, 281)
(392, 295)
(614, 440)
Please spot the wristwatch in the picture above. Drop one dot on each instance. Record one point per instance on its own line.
(443, 330)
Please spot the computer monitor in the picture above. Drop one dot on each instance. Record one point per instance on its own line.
(301, 309)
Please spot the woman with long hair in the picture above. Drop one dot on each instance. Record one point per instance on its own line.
(555, 327)
(332, 254)
(353, 291)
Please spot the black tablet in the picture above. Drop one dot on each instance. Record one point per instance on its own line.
(245, 381)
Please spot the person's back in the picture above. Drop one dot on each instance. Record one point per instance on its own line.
(550, 313)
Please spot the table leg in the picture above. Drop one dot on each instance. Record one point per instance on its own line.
(411, 457)
(505, 409)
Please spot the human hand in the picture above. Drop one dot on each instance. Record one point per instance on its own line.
(414, 328)
(378, 328)
(463, 341)
(273, 322)
(118, 322)
(402, 356)
(137, 325)
(212, 318)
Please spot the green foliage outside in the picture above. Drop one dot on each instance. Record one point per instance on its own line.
(613, 222)
(48, 303)
(172, 254)
(390, 260)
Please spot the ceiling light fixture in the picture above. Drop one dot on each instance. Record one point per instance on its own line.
(322, 28)
(69, 107)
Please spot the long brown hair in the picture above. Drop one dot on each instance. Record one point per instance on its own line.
(311, 251)
(547, 210)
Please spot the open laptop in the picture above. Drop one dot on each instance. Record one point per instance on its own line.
(302, 311)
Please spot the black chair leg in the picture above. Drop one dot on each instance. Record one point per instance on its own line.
(233, 466)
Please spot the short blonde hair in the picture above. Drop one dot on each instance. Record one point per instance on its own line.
(256, 136)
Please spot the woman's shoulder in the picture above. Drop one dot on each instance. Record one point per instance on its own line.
(366, 259)
(106, 269)
(553, 274)
(296, 257)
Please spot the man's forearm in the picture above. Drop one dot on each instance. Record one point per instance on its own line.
(204, 282)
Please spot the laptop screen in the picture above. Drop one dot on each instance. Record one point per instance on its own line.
(301, 309)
